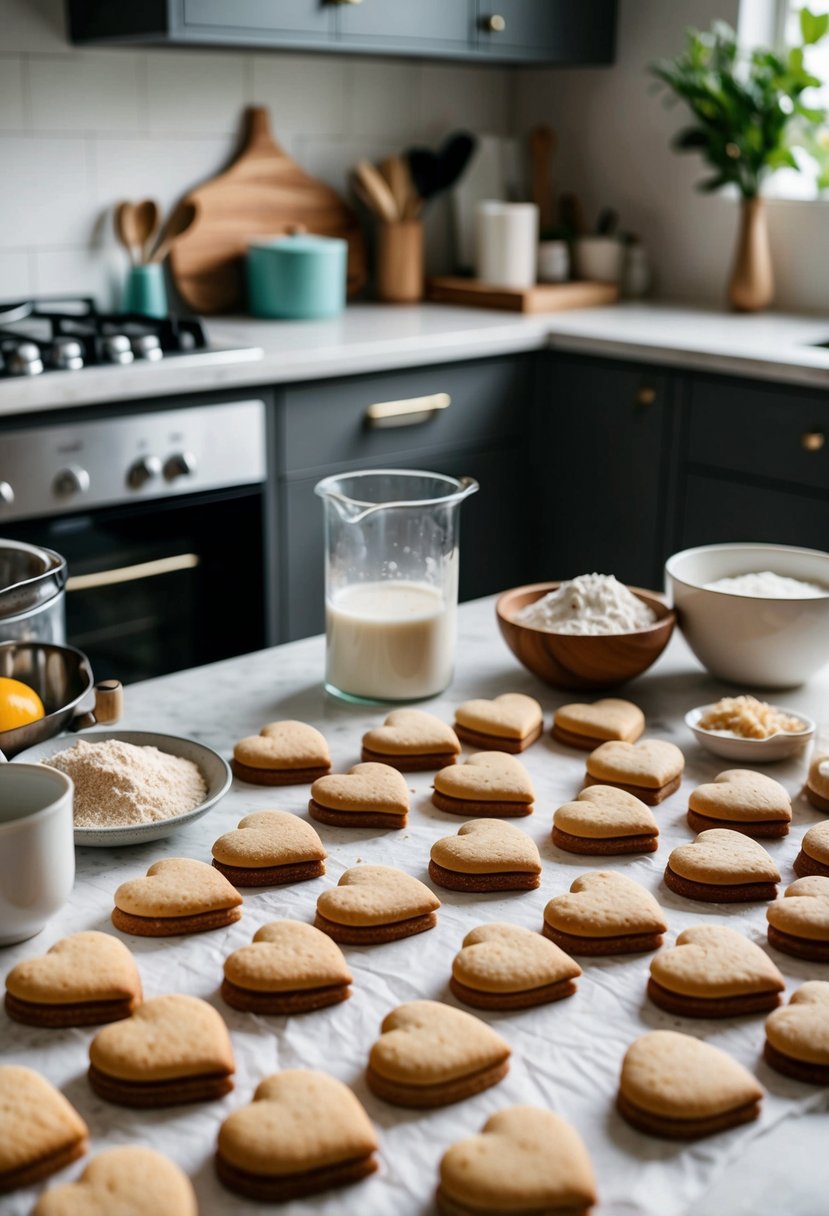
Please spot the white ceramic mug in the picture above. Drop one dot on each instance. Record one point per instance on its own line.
(37, 848)
(506, 244)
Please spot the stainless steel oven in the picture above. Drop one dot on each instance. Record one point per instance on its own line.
(160, 514)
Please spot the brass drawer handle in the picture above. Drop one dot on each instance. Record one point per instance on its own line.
(812, 441)
(646, 395)
(408, 412)
(495, 24)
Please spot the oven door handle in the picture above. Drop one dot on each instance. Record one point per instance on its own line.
(129, 574)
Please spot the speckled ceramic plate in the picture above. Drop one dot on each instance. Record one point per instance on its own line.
(214, 769)
(750, 751)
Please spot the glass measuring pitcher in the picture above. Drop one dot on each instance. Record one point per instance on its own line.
(391, 582)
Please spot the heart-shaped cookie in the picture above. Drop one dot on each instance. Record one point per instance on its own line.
(486, 855)
(605, 913)
(429, 1054)
(743, 800)
(488, 783)
(508, 967)
(799, 923)
(372, 904)
(675, 1086)
(283, 753)
(368, 795)
(605, 820)
(713, 971)
(269, 848)
(813, 857)
(173, 1049)
(411, 741)
(39, 1131)
(82, 980)
(817, 783)
(509, 723)
(724, 867)
(290, 967)
(797, 1036)
(524, 1160)
(650, 769)
(128, 1181)
(303, 1132)
(177, 895)
(586, 726)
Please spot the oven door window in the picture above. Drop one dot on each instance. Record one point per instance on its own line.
(164, 586)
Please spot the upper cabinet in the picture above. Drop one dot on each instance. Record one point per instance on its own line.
(503, 31)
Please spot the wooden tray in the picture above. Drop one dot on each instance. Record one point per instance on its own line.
(263, 193)
(544, 297)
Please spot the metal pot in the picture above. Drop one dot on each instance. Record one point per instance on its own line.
(62, 678)
(32, 582)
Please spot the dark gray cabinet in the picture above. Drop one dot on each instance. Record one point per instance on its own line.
(509, 31)
(326, 427)
(547, 31)
(603, 456)
(754, 463)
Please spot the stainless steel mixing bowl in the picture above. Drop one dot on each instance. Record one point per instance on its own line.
(62, 678)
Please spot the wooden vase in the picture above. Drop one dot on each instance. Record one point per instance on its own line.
(751, 287)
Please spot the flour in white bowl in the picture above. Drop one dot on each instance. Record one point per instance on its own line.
(765, 584)
(589, 604)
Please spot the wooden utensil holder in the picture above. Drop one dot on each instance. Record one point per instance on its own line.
(400, 261)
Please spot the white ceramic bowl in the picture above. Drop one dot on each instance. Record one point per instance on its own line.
(750, 751)
(214, 769)
(743, 639)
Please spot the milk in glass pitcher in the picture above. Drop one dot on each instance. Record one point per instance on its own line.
(391, 582)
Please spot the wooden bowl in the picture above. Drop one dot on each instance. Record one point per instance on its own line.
(567, 660)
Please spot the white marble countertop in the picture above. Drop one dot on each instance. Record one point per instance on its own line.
(565, 1056)
(374, 337)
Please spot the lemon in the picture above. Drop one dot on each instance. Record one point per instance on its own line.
(19, 704)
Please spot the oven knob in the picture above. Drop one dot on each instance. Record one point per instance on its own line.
(71, 480)
(145, 469)
(181, 464)
(6, 494)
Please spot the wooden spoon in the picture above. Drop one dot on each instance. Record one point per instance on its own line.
(178, 221)
(146, 226)
(375, 189)
(125, 230)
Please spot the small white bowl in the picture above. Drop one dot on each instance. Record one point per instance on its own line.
(750, 751)
(749, 640)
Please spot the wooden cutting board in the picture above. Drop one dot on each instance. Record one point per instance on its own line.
(544, 297)
(263, 193)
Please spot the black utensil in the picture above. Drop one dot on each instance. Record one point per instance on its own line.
(433, 172)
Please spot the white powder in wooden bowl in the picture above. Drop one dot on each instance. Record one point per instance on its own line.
(590, 604)
(119, 785)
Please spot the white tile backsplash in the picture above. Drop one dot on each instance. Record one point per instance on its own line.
(15, 275)
(87, 92)
(45, 192)
(194, 90)
(306, 94)
(82, 129)
(11, 93)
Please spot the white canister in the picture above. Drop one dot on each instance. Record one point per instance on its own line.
(553, 262)
(506, 243)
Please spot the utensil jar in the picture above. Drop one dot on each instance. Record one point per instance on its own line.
(400, 261)
(391, 582)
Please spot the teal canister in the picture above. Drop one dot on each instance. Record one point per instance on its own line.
(300, 277)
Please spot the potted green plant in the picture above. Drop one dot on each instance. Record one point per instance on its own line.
(749, 120)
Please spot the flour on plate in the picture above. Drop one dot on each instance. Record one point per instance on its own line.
(119, 785)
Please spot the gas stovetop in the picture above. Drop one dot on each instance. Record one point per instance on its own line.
(68, 335)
